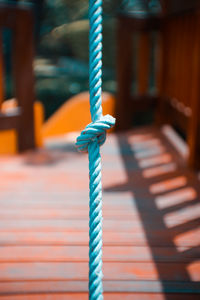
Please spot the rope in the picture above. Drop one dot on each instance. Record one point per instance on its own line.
(90, 139)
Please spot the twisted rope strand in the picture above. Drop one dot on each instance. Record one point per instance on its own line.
(95, 46)
(95, 214)
(90, 139)
(95, 224)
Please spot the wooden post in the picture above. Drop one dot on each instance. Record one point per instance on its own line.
(124, 74)
(23, 77)
(143, 70)
(162, 49)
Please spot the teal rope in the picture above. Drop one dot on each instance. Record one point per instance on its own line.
(90, 139)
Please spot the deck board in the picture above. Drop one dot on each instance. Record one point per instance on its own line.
(151, 225)
(107, 296)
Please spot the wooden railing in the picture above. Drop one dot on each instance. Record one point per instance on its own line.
(179, 90)
(20, 20)
(176, 65)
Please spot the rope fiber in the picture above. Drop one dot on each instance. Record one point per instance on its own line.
(90, 139)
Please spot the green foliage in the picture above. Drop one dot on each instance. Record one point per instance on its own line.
(64, 34)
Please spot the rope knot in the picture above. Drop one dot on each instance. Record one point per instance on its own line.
(93, 131)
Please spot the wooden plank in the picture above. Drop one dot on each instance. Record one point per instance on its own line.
(69, 213)
(155, 160)
(71, 238)
(182, 216)
(176, 217)
(149, 152)
(167, 185)
(183, 195)
(7, 204)
(160, 170)
(29, 287)
(49, 200)
(192, 235)
(109, 296)
(72, 225)
(65, 225)
(110, 254)
(112, 271)
(81, 238)
(56, 296)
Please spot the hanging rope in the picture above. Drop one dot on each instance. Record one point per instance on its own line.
(90, 139)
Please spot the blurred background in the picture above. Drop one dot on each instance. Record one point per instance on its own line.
(141, 39)
(61, 50)
(151, 77)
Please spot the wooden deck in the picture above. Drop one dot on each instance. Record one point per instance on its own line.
(151, 222)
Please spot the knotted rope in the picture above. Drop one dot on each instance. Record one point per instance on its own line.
(95, 130)
(91, 138)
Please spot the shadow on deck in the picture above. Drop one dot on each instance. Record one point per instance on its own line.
(151, 222)
(166, 195)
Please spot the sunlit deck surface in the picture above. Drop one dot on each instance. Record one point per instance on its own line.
(151, 211)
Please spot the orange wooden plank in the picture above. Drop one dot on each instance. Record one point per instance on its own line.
(112, 271)
(149, 152)
(155, 160)
(70, 213)
(159, 170)
(110, 253)
(192, 235)
(65, 225)
(182, 216)
(67, 238)
(81, 226)
(176, 197)
(110, 238)
(29, 287)
(166, 185)
(47, 296)
(109, 296)
(73, 225)
(61, 205)
(178, 216)
(27, 201)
